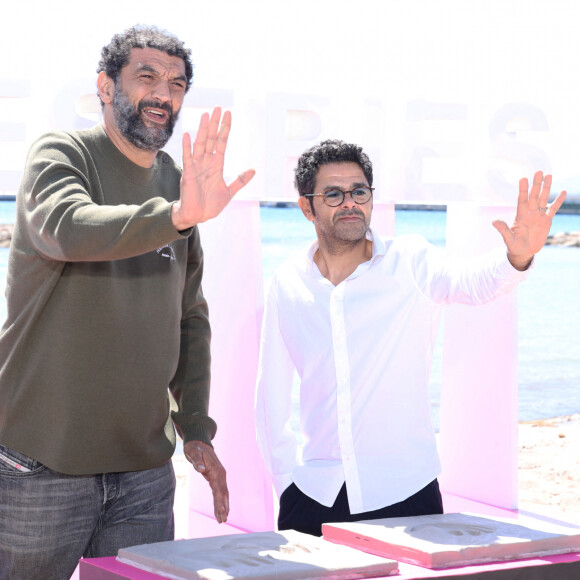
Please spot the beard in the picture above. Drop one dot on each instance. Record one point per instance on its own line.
(338, 236)
(353, 232)
(133, 128)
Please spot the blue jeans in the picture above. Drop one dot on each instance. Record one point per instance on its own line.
(49, 520)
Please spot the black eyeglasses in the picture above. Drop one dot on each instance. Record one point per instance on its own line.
(335, 197)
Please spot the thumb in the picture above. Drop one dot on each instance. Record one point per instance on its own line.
(503, 229)
(242, 180)
(196, 460)
(199, 464)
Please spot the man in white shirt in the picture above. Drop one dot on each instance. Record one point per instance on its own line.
(356, 319)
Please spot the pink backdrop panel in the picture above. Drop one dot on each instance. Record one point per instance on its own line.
(478, 440)
(233, 287)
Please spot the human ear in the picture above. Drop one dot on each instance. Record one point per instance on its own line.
(306, 208)
(105, 87)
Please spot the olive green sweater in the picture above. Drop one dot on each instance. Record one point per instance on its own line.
(105, 312)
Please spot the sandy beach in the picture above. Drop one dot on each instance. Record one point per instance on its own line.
(549, 471)
(549, 467)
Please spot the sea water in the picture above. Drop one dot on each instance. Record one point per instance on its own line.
(548, 304)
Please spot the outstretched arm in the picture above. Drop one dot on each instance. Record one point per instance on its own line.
(204, 193)
(531, 226)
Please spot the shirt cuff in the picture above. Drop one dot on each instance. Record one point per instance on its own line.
(194, 426)
(506, 270)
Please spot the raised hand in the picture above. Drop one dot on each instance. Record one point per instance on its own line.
(205, 461)
(204, 193)
(531, 226)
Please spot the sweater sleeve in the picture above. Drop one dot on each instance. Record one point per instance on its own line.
(72, 213)
(191, 384)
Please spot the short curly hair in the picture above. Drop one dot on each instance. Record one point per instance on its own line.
(116, 54)
(329, 151)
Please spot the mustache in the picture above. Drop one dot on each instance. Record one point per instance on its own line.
(349, 213)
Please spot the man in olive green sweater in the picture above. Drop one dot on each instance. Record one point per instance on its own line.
(105, 314)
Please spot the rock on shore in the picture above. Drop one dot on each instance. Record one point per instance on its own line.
(5, 235)
(571, 239)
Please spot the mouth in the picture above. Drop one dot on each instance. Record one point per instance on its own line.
(348, 218)
(158, 116)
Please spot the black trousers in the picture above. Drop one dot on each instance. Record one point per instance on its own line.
(302, 513)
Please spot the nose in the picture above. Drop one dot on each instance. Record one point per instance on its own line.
(348, 200)
(161, 91)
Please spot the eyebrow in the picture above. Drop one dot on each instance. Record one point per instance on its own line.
(352, 186)
(147, 68)
(152, 69)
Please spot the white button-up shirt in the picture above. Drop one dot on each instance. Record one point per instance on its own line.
(362, 350)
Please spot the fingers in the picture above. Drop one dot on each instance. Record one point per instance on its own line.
(523, 203)
(216, 476)
(221, 507)
(205, 461)
(545, 193)
(221, 496)
(540, 191)
(242, 180)
(186, 149)
(212, 135)
(224, 133)
(201, 138)
(556, 204)
(535, 191)
(539, 194)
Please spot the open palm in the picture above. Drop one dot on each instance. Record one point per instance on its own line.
(204, 193)
(533, 220)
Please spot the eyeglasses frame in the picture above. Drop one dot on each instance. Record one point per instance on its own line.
(344, 192)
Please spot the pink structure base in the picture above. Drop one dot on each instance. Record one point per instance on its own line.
(558, 567)
(561, 567)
